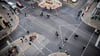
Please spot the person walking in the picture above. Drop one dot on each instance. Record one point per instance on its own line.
(60, 47)
(48, 16)
(79, 13)
(50, 9)
(31, 4)
(56, 34)
(31, 39)
(83, 47)
(25, 15)
(66, 52)
(41, 13)
(65, 40)
(76, 36)
(21, 40)
(28, 32)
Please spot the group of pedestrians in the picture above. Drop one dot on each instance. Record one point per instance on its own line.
(42, 14)
(65, 40)
(31, 38)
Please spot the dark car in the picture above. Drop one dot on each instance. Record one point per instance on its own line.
(3, 1)
(19, 5)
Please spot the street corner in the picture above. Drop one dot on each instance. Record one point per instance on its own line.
(25, 41)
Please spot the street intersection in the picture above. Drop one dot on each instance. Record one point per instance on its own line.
(66, 23)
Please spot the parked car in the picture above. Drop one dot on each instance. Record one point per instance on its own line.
(19, 4)
(74, 1)
(3, 1)
(13, 6)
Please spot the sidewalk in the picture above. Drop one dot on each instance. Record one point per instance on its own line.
(86, 18)
(26, 44)
(13, 19)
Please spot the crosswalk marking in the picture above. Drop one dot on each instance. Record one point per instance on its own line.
(37, 48)
(44, 46)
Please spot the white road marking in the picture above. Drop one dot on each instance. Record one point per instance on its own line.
(61, 36)
(23, 28)
(23, 8)
(38, 48)
(32, 43)
(71, 34)
(45, 47)
(10, 38)
(18, 46)
(45, 25)
(74, 31)
(72, 25)
(88, 43)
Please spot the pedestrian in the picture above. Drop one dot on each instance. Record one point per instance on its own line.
(79, 13)
(21, 40)
(41, 13)
(44, 9)
(82, 14)
(26, 39)
(83, 47)
(7, 24)
(60, 47)
(28, 32)
(65, 40)
(19, 11)
(31, 38)
(56, 34)
(48, 16)
(31, 4)
(25, 15)
(56, 14)
(50, 9)
(66, 52)
(30, 43)
(75, 36)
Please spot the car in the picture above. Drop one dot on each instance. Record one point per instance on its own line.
(12, 5)
(3, 1)
(19, 4)
(74, 1)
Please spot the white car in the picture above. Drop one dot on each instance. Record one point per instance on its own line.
(74, 1)
(12, 5)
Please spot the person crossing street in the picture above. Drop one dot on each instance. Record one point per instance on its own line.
(57, 34)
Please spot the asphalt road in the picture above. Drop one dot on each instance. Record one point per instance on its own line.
(66, 23)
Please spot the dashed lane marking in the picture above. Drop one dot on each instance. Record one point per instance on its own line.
(71, 34)
(88, 43)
